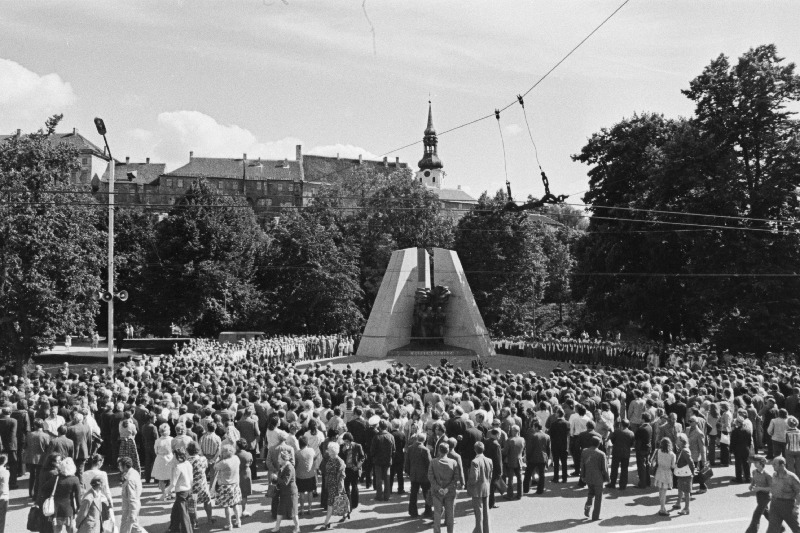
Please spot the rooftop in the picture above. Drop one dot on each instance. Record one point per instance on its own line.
(142, 173)
(73, 138)
(255, 169)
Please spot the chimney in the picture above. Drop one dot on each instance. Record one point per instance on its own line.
(191, 155)
(285, 163)
(74, 131)
(397, 161)
(127, 159)
(19, 132)
(244, 156)
(337, 153)
(459, 187)
(360, 159)
(385, 161)
(147, 161)
(298, 152)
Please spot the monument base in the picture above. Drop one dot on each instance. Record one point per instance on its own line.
(431, 350)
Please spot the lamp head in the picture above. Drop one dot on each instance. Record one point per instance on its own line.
(100, 125)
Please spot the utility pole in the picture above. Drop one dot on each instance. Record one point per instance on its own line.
(101, 129)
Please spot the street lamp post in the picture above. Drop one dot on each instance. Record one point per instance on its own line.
(101, 129)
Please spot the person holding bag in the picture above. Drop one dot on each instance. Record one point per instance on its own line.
(287, 491)
(684, 473)
(334, 481)
(90, 515)
(664, 462)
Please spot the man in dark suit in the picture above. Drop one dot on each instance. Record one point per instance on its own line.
(417, 461)
(61, 444)
(398, 460)
(559, 442)
(479, 482)
(493, 452)
(642, 440)
(584, 441)
(9, 440)
(382, 451)
(594, 473)
(622, 441)
(537, 451)
(513, 458)
(80, 435)
(456, 426)
(20, 414)
(248, 430)
(468, 440)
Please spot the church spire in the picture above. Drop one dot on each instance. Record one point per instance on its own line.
(430, 159)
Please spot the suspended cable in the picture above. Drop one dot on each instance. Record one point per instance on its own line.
(503, 143)
(525, 113)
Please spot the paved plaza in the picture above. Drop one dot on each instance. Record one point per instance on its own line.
(725, 507)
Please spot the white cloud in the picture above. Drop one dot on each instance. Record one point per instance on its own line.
(179, 132)
(512, 129)
(343, 150)
(27, 99)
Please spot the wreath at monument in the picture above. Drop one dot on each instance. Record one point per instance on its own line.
(430, 312)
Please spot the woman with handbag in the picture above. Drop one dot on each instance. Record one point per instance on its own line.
(226, 485)
(338, 503)
(66, 496)
(684, 472)
(663, 461)
(47, 483)
(287, 491)
(90, 514)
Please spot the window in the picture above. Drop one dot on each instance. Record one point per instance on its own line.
(180, 183)
(434, 179)
(85, 161)
(268, 201)
(219, 184)
(169, 183)
(260, 185)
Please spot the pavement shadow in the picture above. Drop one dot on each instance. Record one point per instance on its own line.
(634, 520)
(557, 525)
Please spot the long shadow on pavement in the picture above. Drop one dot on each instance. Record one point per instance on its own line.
(557, 525)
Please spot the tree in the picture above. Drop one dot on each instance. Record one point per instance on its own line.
(50, 249)
(203, 272)
(311, 274)
(503, 257)
(737, 160)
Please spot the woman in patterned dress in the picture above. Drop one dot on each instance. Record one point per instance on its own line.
(200, 490)
(127, 444)
(334, 480)
(226, 484)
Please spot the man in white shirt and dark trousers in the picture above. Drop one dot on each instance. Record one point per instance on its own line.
(181, 485)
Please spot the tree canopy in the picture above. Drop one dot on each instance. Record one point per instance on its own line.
(50, 250)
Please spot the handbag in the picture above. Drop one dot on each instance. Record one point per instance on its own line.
(35, 519)
(271, 489)
(725, 438)
(49, 505)
(341, 505)
(682, 471)
(501, 485)
(704, 474)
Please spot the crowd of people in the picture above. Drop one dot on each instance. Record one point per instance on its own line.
(207, 421)
(279, 349)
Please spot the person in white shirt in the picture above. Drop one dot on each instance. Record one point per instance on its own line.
(181, 486)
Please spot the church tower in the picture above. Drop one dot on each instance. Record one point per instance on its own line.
(430, 166)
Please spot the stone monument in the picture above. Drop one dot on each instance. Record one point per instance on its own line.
(410, 317)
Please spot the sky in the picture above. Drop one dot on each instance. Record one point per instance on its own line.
(223, 78)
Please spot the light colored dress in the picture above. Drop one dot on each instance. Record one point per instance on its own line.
(162, 466)
(666, 463)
